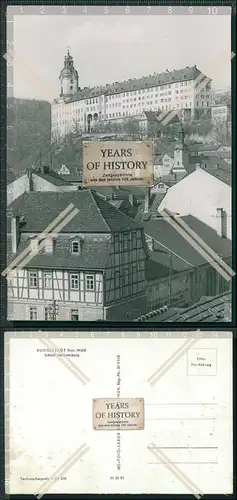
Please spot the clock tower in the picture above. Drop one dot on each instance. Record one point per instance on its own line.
(68, 77)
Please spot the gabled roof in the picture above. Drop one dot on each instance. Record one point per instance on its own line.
(75, 174)
(197, 192)
(223, 174)
(213, 165)
(95, 215)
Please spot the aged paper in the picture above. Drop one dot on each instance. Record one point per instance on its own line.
(54, 382)
(116, 163)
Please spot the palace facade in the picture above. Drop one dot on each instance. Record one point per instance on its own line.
(186, 89)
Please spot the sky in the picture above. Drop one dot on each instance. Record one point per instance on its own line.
(115, 48)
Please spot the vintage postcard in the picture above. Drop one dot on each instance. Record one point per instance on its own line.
(119, 163)
(114, 412)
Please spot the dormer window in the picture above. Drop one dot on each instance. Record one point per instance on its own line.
(48, 245)
(75, 247)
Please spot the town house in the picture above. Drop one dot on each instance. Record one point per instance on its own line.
(93, 269)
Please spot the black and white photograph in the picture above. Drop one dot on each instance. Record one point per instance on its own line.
(150, 246)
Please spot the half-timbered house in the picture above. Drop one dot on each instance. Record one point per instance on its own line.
(92, 269)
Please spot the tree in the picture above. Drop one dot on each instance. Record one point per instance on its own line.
(222, 98)
(106, 127)
(153, 129)
(77, 128)
(221, 133)
(132, 128)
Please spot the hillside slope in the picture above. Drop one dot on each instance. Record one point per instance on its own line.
(28, 132)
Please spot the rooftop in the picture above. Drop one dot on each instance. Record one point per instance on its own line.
(106, 191)
(207, 309)
(95, 215)
(138, 192)
(11, 176)
(172, 250)
(52, 177)
(204, 147)
(199, 194)
(210, 154)
(154, 80)
(155, 200)
(223, 174)
(215, 165)
(93, 256)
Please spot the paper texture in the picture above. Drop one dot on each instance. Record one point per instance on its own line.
(118, 163)
(54, 384)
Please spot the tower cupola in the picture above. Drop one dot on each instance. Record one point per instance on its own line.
(68, 77)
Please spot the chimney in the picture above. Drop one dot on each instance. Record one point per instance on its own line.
(221, 216)
(46, 169)
(31, 183)
(147, 200)
(150, 243)
(15, 233)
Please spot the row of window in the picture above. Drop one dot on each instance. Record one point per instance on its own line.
(49, 313)
(161, 88)
(74, 280)
(133, 110)
(91, 108)
(93, 100)
(117, 114)
(152, 89)
(143, 98)
(138, 111)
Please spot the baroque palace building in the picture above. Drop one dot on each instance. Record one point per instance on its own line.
(186, 89)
